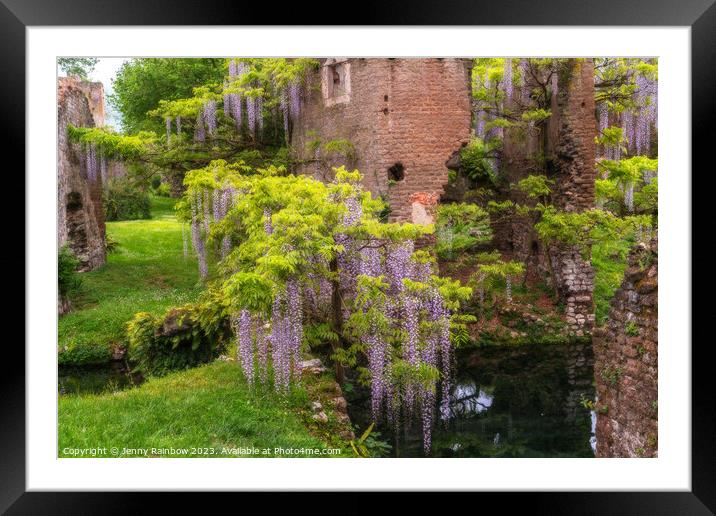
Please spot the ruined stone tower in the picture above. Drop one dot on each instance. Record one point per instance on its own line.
(575, 174)
(80, 216)
(404, 118)
(567, 144)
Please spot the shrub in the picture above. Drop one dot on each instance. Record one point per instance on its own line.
(162, 190)
(125, 201)
(68, 278)
(185, 337)
(83, 353)
(476, 160)
(459, 227)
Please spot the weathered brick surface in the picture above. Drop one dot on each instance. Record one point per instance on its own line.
(415, 112)
(574, 159)
(80, 216)
(626, 361)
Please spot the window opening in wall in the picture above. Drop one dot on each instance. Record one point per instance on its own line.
(338, 75)
(396, 172)
(336, 81)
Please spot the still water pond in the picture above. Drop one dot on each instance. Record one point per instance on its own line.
(115, 376)
(511, 402)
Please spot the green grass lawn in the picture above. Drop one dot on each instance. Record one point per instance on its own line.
(609, 260)
(147, 272)
(206, 407)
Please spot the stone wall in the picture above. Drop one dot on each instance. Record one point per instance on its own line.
(626, 358)
(404, 117)
(80, 216)
(574, 157)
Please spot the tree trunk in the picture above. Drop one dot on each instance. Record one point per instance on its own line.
(337, 323)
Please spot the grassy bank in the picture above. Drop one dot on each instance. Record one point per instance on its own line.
(147, 272)
(609, 260)
(207, 407)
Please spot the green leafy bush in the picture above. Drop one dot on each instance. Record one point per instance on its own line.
(125, 201)
(476, 161)
(67, 276)
(459, 227)
(83, 353)
(185, 337)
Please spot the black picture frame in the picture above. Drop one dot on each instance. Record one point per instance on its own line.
(700, 15)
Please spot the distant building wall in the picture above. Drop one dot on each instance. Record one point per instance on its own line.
(80, 216)
(404, 118)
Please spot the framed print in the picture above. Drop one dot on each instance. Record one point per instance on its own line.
(366, 255)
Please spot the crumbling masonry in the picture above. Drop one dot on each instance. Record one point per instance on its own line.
(80, 216)
(626, 362)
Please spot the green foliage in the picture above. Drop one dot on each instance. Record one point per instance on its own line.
(162, 190)
(536, 116)
(305, 214)
(631, 329)
(69, 281)
(111, 144)
(85, 353)
(476, 160)
(77, 66)
(535, 187)
(185, 337)
(460, 227)
(375, 446)
(340, 147)
(611, 136)
(586, 402)
(141, 83)
(611, 374)
(609, 259)
(646, 200)
(587, 227)
(123, 200)
(629, 170)
(615, 80)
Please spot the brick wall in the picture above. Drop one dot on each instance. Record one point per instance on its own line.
(80, 217)
(412, 112)
(626, 361)
(574, 161)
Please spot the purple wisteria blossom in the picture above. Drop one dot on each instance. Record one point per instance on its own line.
(210, 116)
(200, 131)
(507, 78)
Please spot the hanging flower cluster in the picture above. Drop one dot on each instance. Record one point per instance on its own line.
(91, 162)
(402, 320)
(405, 330)
(636, 118)
(207, 207)
(296, 240)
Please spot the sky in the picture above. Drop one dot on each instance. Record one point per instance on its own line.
(105, 71)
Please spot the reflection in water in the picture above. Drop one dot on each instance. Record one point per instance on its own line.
(510, 402)
(467, 398)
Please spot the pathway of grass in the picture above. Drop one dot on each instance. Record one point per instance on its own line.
(147, 272)
(207, 407)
